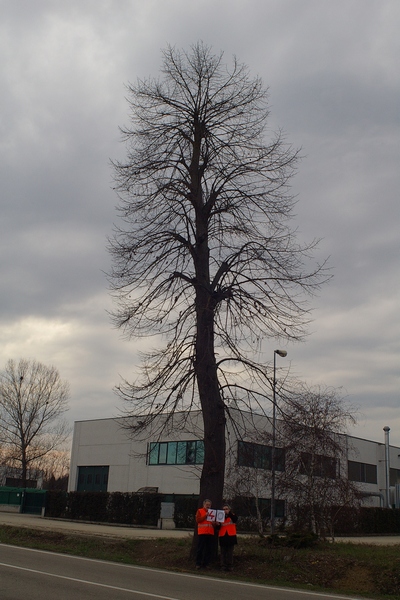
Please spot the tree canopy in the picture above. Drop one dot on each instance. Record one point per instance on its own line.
(33, 399)
(205, 255)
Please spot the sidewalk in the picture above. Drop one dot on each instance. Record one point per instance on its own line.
(125, 531)
(95, 529)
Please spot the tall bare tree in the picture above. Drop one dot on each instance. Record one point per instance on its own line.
(33, 399)
(204, 257)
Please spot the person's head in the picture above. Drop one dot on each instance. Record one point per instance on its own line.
(226, 508)
(207, 503)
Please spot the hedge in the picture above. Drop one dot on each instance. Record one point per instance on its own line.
(105, 507)
(144, 509)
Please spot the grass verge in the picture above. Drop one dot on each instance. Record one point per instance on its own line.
(351, 569)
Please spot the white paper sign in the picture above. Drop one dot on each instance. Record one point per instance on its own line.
(214, 515)
(220, 518)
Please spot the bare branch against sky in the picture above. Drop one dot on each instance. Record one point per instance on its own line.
(332, 72)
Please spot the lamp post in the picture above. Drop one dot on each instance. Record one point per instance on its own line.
(281, 353)
(386, 429)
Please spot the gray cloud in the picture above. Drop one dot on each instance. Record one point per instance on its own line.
(334, 84)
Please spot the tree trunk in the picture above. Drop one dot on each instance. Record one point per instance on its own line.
(213, 472)
(212, 476)
(24, 468)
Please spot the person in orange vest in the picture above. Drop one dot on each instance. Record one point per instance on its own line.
(205, 536)
(227, 538)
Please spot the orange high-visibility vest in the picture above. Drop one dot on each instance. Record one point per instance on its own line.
(204, 527)
(228, 526)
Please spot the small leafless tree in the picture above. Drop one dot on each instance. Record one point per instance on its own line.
(205, 257)
(248, 486)
(312, 430)
(33, 400)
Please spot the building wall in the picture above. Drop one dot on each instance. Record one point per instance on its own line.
(106, 442)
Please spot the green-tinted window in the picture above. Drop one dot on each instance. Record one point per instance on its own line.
(162, 453)
(171, 455)
(199, 452)
(153, 453)
(259, 456)
(190, 453)
(176, 453)
(181, 453)
(92, 479)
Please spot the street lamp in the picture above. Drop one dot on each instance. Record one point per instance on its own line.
(281, 353)
(386, 429)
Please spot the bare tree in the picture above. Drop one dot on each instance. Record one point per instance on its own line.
(205, 257)
(54, 468)
(248, 487)
(313, 433)
(32, 401)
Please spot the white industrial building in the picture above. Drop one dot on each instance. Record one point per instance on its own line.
(106, 457)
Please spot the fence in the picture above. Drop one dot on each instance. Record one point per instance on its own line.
(23, 500)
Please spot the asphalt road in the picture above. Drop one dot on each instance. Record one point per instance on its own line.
(27, 574)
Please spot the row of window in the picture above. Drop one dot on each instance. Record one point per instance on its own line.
(192, 453)
(259, 456)
(318, 465)
(176, 453)
(249, 455)
(18, 482)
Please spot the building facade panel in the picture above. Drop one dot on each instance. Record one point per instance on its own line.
(171, 462)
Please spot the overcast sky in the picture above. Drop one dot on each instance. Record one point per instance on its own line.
(332, 68)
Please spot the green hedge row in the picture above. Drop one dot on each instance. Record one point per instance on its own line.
(185, 511)
(368, 521)
(105, 507)
(144, 509)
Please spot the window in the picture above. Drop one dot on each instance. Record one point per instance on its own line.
(259, 456)
(394, 476)
(362, 472)
(318, 465)
(17, 482)
(92, 479)
(176, 453)
(248, 506)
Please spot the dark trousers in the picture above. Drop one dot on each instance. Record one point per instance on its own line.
(205, 549)
(227, 557)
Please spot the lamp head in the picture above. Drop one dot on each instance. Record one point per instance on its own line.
(282, 353)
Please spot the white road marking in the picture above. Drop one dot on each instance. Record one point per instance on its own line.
(103, 585)
(186, 575)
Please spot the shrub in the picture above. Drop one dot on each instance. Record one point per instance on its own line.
(185, 511)
(56, 503)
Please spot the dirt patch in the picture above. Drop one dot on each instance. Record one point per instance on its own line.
(358, 579)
